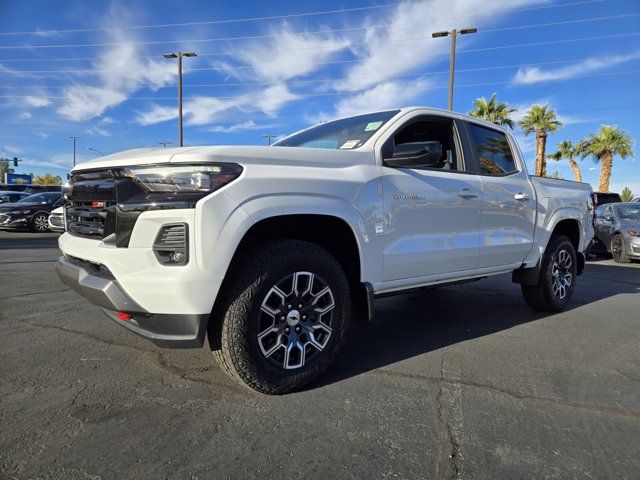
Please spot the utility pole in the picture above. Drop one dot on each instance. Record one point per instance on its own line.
(452, 58)
(164, 143)
(74, 138)
(269, 136)
(179, 56)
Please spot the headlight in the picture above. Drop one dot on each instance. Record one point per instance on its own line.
(184, 178)
(633, 233)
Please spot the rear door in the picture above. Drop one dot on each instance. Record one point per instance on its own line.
(431, 214)
(508, 204)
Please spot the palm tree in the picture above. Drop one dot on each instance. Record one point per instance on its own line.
(542, 121)
(603, 146)
(492, 111)
(568, 150)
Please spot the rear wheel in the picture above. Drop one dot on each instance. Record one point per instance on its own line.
(40, 222)
(618, 249)
(557, 277)
(284, 318)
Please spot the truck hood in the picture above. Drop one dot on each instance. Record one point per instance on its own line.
(231, 154)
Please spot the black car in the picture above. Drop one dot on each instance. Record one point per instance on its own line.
(30, 213)
(12, 196)
(600, 198)
(28, 188)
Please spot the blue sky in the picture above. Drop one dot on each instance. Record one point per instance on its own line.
(270, 67)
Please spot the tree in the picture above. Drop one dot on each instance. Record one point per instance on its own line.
(626, 194)
(492, 111)
(542, 121)
(47, 179)
(4, 168)
(568, 150)
(609, 142)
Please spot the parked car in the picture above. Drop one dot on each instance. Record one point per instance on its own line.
(601, 198)
(637, 199)
(9, 196)
(617, 230)
(274, 251)
(30, 213)
(29, 188)
(56, 220)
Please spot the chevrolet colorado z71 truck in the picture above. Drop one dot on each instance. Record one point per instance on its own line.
(273, 251)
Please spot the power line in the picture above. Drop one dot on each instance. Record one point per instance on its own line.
(313, 32)
(326, 80)
(323, 94)
(241, 67)
(274, 17)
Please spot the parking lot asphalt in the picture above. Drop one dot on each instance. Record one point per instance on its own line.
(456, 382)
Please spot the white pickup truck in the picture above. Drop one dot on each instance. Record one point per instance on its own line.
(272, 252)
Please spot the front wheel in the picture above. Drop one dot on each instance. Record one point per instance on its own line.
(557, 277)
(40, 223)
(283, 317)
(618, 249)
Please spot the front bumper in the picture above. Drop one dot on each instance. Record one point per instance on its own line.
(99, 287)
(11, 222)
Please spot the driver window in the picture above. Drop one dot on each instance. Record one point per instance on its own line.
(428, 130)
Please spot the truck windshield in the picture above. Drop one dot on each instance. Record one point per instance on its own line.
(343, 134)
(629, 212)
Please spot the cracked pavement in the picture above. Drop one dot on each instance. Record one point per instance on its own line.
(458, 382)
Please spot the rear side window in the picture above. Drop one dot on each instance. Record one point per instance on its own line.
(492, 150)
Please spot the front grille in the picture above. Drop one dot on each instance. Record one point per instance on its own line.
(88, 219)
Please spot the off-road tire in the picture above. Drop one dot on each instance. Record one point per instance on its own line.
(233, 330)
(541, 296)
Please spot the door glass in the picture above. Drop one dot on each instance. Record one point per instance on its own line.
(430, 130)
(492, 151)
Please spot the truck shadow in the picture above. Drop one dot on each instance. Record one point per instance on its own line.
(416, 323)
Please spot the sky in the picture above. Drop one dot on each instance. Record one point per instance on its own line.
(94, 69)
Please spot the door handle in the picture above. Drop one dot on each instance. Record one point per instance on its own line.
(521, 197)
(466, 193)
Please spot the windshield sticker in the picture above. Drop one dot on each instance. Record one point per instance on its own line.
(349, 144)
(372, 126)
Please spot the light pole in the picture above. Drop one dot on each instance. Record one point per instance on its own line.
(164, 143)
(269, 136)
(74, 138)
(95, 150)
(452, 59)
(179, 56)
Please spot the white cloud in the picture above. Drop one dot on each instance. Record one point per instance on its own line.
(386, 54)
(382, 96)
(157, 114)
(529, 75)
(36, 102)
(106, 121)
(24, 116)
(97, 131)
(119, 71)
(248, 125)
(288, 55)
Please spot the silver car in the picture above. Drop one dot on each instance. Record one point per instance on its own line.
(617, 229)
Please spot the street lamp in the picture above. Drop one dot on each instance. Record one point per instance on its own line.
(452, 60)
(164, 143)
(95, 150)
(179, 56)
(269, 136)
(74, 138)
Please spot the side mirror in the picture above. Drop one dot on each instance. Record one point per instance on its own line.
(415, 155)
(608, 218)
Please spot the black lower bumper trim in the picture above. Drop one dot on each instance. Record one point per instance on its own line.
(165, 330)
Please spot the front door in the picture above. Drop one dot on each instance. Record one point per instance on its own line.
(432, 215)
